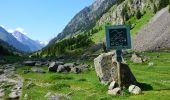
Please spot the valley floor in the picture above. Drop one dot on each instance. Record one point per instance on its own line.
(155, 81)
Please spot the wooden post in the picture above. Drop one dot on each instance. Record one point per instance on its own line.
(119, 60)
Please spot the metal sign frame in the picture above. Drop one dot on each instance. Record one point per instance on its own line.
(118, 27)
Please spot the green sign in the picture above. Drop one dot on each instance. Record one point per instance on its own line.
(118, 37)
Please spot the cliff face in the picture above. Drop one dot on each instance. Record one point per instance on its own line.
(86, 18)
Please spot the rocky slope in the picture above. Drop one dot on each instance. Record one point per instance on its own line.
(86, 18)
(155, 35)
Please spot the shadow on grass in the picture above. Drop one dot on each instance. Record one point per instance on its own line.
(145, 86)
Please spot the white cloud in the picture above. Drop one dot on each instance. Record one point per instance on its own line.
(19, 29)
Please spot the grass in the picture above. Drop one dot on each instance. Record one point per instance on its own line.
(155, 79)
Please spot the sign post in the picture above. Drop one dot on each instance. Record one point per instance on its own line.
(118, 38)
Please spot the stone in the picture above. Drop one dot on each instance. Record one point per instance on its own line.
(112, 85)
(1, 71)
(13, 95)
(150, 64)
(52, 67)
(59, 63)
(69, 65)
(59, 97)
(75, 70)
(39, 63)
(29, 63)
(114, 91)
(1, 93)
(38, 70)
(106, 70)
(134, 89)
(83, 67)
(136, 59)
(61, 68)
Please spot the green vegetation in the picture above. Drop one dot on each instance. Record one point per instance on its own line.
(72, 45)
(155, 79)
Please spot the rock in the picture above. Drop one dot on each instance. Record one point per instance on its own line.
(59, 63)
(52, 67)
(59, 97)
(69, 65)
(106, 70)
(38, 70)
(75, 70)
(134, 89)
(114, 91)
(112, 85)
(136, 59)
(29, 63)
(13, 96)
(83, 67)
(150, 64)
(39, 63)
(61, 68)
(1, 93)
(1, 71)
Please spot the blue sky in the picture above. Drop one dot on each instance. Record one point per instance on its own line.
(39, 19)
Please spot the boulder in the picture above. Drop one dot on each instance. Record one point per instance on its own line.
(59, 63)
(134, 89)
(69, 65)
(106, 69)
(59, 97)
(83, 67)
(75, 70)
(136, 59)
(61, 68)
(114, 91)
(13, 96)
(1, 71)
(38, 70)
(29, 63)
(52, 67)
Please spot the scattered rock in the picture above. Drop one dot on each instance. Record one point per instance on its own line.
(1, 71)
(150, 64)
(38, 70)
(75, 70)
(52, 67)
(61, 68)
(1, 93)
(83, 67)
(106, 70)
(134, 89)
(114, 91)
(59, 97)
(112, 85)
(29, 63)
(13, 96)
(69, 65)
(136, 59)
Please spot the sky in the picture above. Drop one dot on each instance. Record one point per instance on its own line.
(39, 19)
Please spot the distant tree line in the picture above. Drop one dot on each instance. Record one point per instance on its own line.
(81, 41)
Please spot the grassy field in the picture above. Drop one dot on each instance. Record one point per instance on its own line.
(85, 86)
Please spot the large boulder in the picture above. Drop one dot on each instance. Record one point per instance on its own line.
(29, 63)
(53, 66)
(106, 69)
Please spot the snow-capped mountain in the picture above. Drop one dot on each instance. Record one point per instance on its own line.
(32, 44)
(11, 40)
